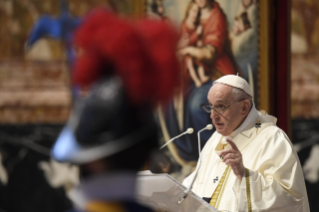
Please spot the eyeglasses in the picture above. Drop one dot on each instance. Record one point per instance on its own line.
(219, 109)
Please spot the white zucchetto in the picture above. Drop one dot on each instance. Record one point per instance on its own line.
(236, 82)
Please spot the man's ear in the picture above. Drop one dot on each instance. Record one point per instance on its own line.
(246, 107)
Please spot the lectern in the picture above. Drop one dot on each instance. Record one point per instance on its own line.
(163, 193)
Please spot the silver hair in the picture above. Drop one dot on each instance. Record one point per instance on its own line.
(239, 94)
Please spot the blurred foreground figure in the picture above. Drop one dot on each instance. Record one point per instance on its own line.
(249, 164)
(127, 68)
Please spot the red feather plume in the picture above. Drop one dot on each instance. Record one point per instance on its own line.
(142, 53)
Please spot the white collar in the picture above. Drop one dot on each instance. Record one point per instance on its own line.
(247, 124)
(105, 187)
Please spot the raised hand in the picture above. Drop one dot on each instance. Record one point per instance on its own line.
(233, 158)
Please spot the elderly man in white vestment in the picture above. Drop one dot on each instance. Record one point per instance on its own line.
(248, 164)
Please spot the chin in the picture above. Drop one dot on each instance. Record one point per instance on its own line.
(222, 132)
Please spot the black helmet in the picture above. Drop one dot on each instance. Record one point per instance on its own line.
(104, 123)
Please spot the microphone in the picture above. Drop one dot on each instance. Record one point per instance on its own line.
(188, 131)
(188, 190)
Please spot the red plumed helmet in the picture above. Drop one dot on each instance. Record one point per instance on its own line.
(141, 53)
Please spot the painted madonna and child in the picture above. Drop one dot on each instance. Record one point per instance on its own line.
(217, 38)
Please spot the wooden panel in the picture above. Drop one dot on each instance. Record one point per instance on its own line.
(266, 62)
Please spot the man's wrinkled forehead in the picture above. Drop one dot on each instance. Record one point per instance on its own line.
(220, 93)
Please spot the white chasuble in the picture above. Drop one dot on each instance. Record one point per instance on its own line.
(273, 179)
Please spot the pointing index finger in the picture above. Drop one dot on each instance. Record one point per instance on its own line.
(232, 144)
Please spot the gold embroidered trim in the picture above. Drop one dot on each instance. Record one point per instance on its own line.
(215, 199)
(97, 206)
(248, 193)
(223, 188)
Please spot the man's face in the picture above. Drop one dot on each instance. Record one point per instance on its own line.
(220, 95)
(201, 3)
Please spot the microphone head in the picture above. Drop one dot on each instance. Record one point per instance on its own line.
(190, 130)
(209, 126)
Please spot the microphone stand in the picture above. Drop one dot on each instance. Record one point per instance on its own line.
(188, 131)
(188, 190)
